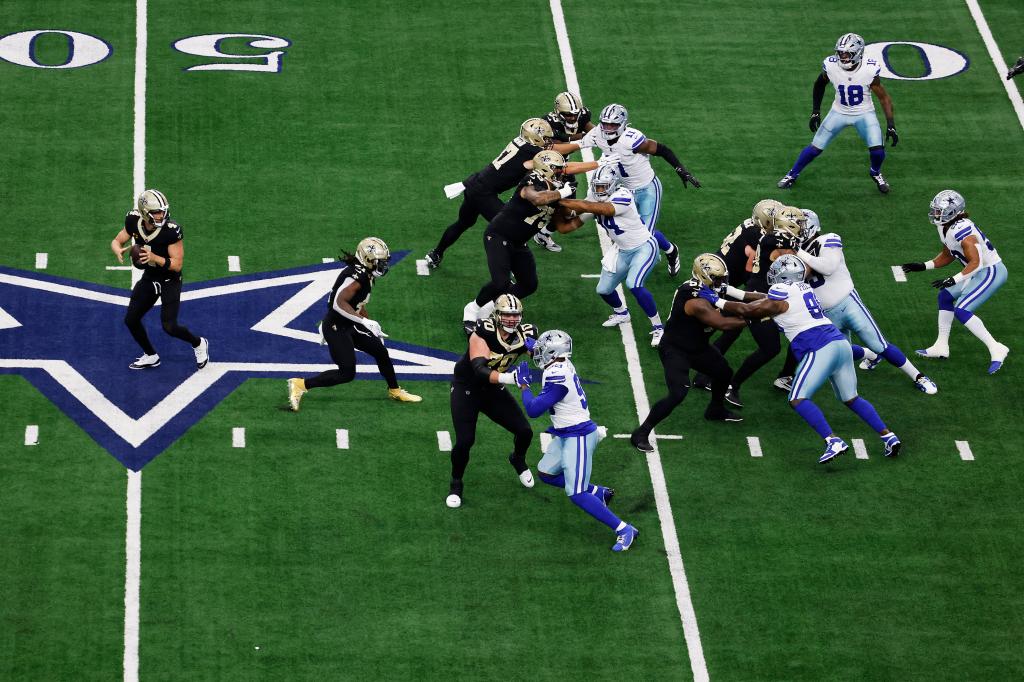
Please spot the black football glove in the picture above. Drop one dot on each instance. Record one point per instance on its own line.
(687, 177)
(913, 267)
(944, 283)
(1016, 69)
(815, 121)
(890, 134)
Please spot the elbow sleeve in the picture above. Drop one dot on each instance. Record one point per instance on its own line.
(481, 368)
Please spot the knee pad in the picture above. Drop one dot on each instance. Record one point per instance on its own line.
(962, 316)
(946, 300)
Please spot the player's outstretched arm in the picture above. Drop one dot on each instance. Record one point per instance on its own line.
(655, 148)
(940, 261)
(705, 311)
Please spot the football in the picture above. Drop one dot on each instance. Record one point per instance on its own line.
(136, 255)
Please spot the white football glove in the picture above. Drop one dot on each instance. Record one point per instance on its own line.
(374, 328)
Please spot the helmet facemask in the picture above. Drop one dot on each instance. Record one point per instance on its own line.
(508, 312)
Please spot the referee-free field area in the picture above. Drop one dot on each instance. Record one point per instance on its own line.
(184, 525)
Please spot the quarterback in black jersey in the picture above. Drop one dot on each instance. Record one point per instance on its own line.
(161, 258)
(346, 327)
(483, 187)
(478, 386)
(569, 119)
(685, 345)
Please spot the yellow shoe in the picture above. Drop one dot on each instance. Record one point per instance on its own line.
(403, 396)
(296, 387)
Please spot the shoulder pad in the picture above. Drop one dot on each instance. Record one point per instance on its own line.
(133, 212)
(529, 330)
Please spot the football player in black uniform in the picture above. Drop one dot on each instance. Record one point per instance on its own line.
(162, 258)
(685, 345)
(1016, 69)
(569, 119)
(478, 386)
(483, 187)
(346, 326)
(530, 208)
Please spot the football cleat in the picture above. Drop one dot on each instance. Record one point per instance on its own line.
(834, 446)
(702, 381)
(202, 352)
(787, 181)
(641, 441)
(883, 186)
(868, 364)
(925, 385)
(525, 475)
(892, 444)
(998, 358)
(607, 494)
(454, 499)
(469, 326)
(934, 352)
(146, 362)
(783, 384)
(615, 319)
(625, 539)
(547, 242)
(296, 388)
(403, 396)
(672, 256)
(723, 416)
(656, 335)
(732, 396)
(433, 259)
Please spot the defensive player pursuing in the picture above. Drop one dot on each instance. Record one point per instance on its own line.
(346, 327)
(568, 459)
(478, 386)
(685, 345)
(854, 79)
(823, 351)
(631, 150)
(634, 250)
(960, 295)
(148, 225)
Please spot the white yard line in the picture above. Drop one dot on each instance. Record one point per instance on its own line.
(997, 59)
(42, 260)
(964, 449)
(668, 526)
(341, 438)
(859, 449)
(238, 437)
(234, 264)
(32, 434)
(422, 269)
(754, 443)
(898, 274)
(444, 441)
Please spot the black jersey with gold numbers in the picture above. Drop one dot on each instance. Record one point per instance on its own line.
(504, 354)
(519, 219)
(158, 240)
(352, 273)
(768, 243)
(506, 170)
(734, 250)
(561, 133)
(682, 330)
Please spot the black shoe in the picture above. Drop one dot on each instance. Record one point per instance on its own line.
(640, 441)
(723, 416)
(454, 500)
(702, 381)
(672, 255)
(433, 259)
(609, 494)
(732, 396)
(469, 326)
(880, 182)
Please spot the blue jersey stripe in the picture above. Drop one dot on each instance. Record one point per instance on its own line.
(639, 142)
(962, 234)
(778, 297)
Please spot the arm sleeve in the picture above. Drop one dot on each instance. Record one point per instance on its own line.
(545, 400)
(667, 154)
(819, 91)
(481, 368)
(826, 263)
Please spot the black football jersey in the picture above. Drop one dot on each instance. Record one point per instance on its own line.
(158, 241)
(558, 125)
(506, 170)
(504, 354)
(768, 243)
(351, 273)
(519, 219)
(682, 330)
(734, 250)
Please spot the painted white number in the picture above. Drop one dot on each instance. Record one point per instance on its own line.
(210, 46)
(938, 61)
(83, 49)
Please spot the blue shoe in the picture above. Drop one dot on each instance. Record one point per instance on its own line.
(892, 444)
(998, 358)
(834, 447)
(626, 538)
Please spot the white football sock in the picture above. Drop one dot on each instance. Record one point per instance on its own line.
(977, 327)
(655, 320)
(470, 312)
(945, 324)
(870, 354)
(909, 369)
(485, 310)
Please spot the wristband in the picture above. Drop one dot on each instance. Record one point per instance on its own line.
(167, 263)
(959, 277)
(733, 292)
(507, 378)
(720, 304)
(929, 265)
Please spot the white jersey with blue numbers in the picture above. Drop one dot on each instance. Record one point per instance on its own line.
(571, 411)
(625, 228)
(954, 236)
(634, 167)
(831, 280)
(853, 88)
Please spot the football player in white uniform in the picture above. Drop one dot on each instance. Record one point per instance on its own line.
(574, 437)
(854, 79)
(823, 351)
(834, 289)
(634, 249)
(960, 295)
(631, 150)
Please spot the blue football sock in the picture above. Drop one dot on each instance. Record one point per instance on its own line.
(807, 154)
(946, 300)
(613, 300)
(866, 411)
(877, 157)
(557, 480)
(646, 301)
(598, 491)
(894, 355)
(813, 416)
(663, 243)
(858, 352)
(962, 316)
(596, 508)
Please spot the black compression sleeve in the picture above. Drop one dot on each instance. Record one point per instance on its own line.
(667, 154)
(819, 92)
(481, 368)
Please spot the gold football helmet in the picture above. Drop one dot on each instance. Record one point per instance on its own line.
(568, 108)
(710, 270)
(764, 211)
(536, 131)
(508, 312)
(549, 165)
(374, 255)
(153, 201)
(791, 222)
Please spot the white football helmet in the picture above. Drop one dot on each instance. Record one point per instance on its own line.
(374, 255)
(552, 345)
(153, 201)
(508, 312)
(850, 50)
(811, 228)
(613, 121)
(536, 131)
(787, 270)
(946, 206)
(605, 181)
(568, 108)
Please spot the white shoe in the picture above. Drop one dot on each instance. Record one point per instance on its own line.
(656, 335)
(146, 362)
(998, 358)
(615, 319)
(202, 352)
(453, 501)
(925, 385)
(526, 478)
(547, 242)
(941, 353)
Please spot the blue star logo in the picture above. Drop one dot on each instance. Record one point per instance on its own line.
(69, 340)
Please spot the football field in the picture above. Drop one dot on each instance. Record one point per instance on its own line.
(180, 524)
